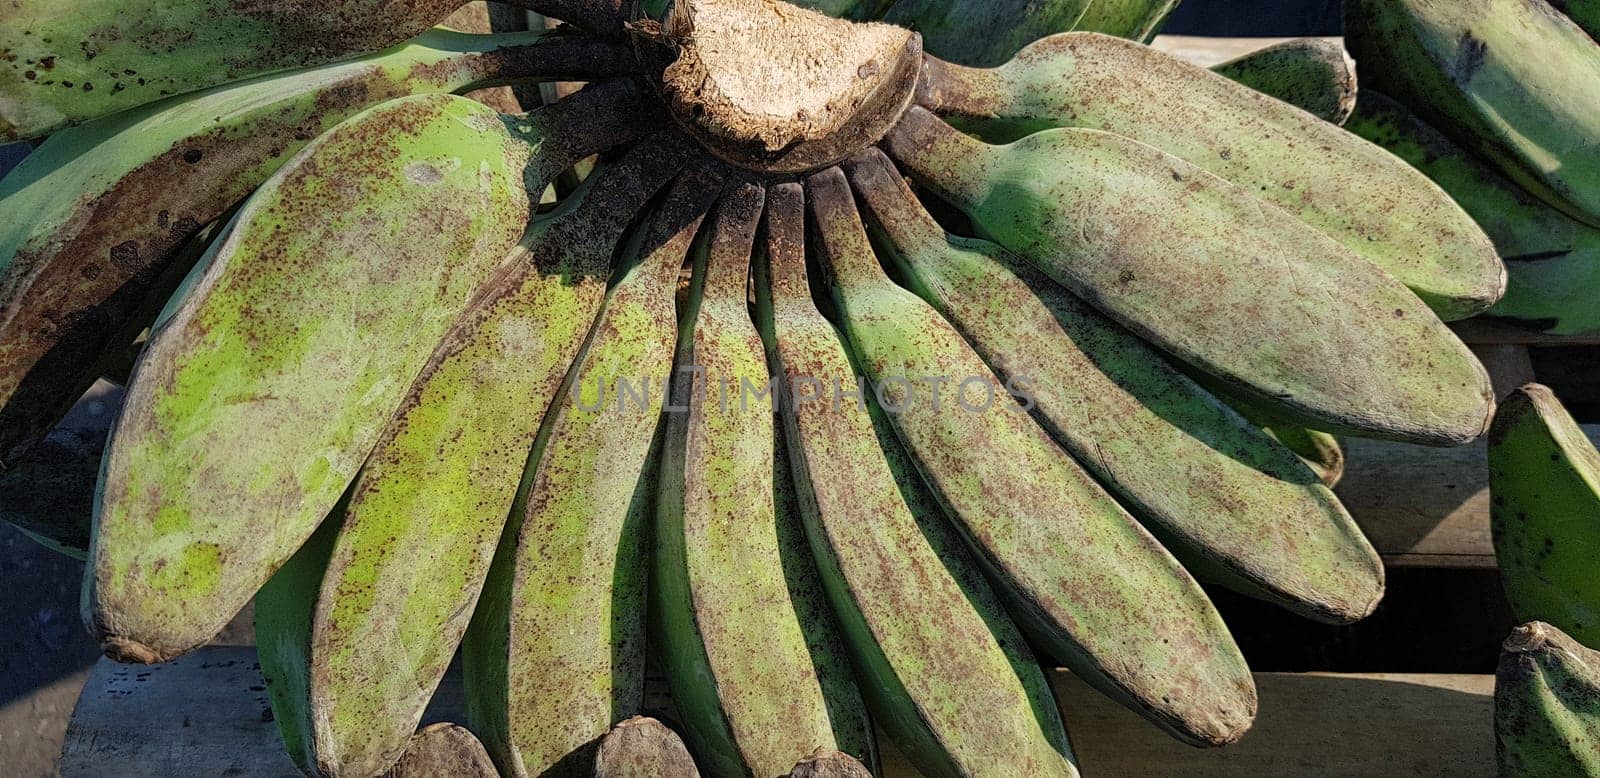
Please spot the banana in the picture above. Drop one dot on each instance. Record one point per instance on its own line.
(1513, 80)
(1157, 244)
(555, 656)
(946, 671)
(1376, 207)
(1584, 13)
(1137, 20)
(1552, 261)
(1223, 496)
(441, 479)
(731, 589)
(1074, 567)
(68, 62)
(1547, 705)
(983, 33)
(1545, 477)
(265, 389)
(1320, 451)
(96, 217)
(1313, 74)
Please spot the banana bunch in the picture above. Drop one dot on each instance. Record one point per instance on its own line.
(1494, 101)
(1547, 705)
(738, 399)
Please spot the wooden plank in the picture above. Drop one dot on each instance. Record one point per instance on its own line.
(206, 714)
(1423, 507)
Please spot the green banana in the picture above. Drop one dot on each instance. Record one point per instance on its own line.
(1368, 201)
(1584, 13)
(556, 656)
(730, 588)
(1513, 80)
(1544, 474)
(926, 632)
(265, 389)
(440, 481)
(1137, 20)
(1154, 242)
(1313, 74)
(983, 33)
(1547, 705)
(1552, 261)
(1223, 496)
(97, 219)
(1319, 450)
(71, 61)
(1075, 568)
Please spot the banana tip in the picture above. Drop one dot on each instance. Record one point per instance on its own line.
(1528, 638)
(126, 651)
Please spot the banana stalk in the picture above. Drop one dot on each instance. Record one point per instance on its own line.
(743, 633)
(1513, 80)
(1071, 563)
(96, 217)
(1547, 705)
(927, 634)
(555, 656)
(267, 386)
(1156, 243)
(1368, 201)
(1223, 496)
(1544, 474)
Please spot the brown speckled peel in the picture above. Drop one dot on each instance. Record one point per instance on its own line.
(928, 636)
(1072, 565)
(1161, 246)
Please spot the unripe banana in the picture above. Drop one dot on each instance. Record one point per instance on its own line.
(1368, 201)
(1157, 244)
(1313, 74)
(743, 631)
(1544, 474)
(1513, 80)
(71, 61)
(1137, 20)
(555, 654)
(946, 671)
(1547, 705)
(268, 385)
(1222, 495)
(441, 479)
(1552, 260)
(96, 214)
(1074, 567)
(984, 33)
(1319, 450)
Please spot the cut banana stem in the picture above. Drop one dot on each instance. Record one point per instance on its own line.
(1313, 74)
(1217, 491)
(1368, 201)
(733, 580)
(95, 218)
(1513, 80)
(984, 32)
(272, 380)
(1075, 568)
(1544, 474)
(1137, 20)
(73, 62)
(555, 656)
(1157, 243)
(1552, 260)
(928, 636)
(440, 481)
(1547, 705)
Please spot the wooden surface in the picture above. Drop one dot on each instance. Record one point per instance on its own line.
(206, 714)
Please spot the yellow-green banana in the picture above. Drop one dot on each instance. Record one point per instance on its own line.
(1547, 705)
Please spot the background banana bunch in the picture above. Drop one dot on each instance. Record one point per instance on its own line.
(1494, 100)
(974, 362)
